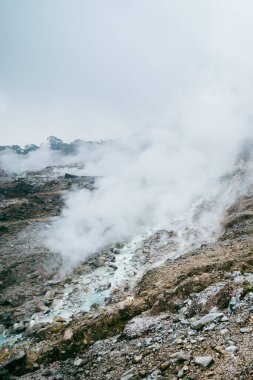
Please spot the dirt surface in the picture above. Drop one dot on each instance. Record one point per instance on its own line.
(191, 318)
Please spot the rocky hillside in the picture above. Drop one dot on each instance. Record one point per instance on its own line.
(190, 318)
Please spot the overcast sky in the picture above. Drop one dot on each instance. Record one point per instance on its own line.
(101, 69)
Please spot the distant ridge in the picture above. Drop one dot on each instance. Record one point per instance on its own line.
(54, 144)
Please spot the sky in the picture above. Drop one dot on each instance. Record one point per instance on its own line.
(96, 69)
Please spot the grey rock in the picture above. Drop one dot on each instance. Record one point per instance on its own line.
(18, 327)
(183, 356)
(147, 342)
(203, 361)
(156, 347)
(210, 327)
(78, 362)
(231, 349)
(182, 371)
(137, 358)
(245, 330)
(130, 374)
(206, 320)
(224, 331)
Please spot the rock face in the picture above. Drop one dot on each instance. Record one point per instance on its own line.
(190, 318)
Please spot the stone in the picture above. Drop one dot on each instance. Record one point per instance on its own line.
(224, 331)
(203, 361)
(68, 334)
(182, 372)
(130, 374)
(78, 362)
(245, 330)
(210, 327)
(42, 308)
(148, 341)
(183, 356)
(164, 365)
(137, 358)
(231, 349)
(49, 296)
(206, 320)
(18, 327)
(156, 347)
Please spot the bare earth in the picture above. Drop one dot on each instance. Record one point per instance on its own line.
(191, 318)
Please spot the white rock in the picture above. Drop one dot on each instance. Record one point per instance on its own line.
(224, 331)
(246, 330)
(68, 334)
(206, 320)
(203, 361)
(78, 362)
(231, 349)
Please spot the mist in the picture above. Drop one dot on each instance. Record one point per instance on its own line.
(169, 84)
(160, 179)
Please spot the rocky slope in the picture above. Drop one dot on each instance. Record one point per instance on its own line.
(190, 318)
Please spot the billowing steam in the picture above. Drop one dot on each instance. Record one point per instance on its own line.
(155, 180)
(171, 84)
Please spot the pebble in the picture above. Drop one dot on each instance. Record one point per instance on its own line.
(18, 327)
(137, 358)
(203, 361)
(182, 372)
(206, 320)
(245, 330)
(183, 356)
(231, 349)
(165, 365)
(224, 331)
(68, 334)
(78, 362)
(156, 347)
(148, 341)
